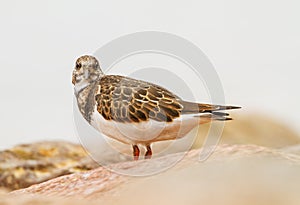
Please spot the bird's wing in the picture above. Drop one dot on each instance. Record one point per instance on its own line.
(125, 99)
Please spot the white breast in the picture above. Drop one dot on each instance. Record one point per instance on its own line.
(144, 132)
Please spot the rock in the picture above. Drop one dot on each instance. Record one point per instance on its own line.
(36, 200)
(29, 164)
(253, 129)
(234, 174)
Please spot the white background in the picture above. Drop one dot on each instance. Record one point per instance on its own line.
(254, 45)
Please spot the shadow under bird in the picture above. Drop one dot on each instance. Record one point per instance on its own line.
(136, 112)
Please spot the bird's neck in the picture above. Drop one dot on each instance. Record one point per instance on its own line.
(86, 99)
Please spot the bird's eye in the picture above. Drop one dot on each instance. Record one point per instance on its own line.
(78, 66)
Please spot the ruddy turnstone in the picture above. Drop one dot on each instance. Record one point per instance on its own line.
(136, 112)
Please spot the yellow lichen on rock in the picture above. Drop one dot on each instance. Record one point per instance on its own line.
(29, 164)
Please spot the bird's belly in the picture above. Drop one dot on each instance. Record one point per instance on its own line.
(144, 132)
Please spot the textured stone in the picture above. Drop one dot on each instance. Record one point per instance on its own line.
(229, 166)
(29, 164)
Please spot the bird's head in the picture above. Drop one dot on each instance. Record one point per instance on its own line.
(86, 71)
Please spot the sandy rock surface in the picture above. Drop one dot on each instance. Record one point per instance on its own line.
(232, 175)
(27, 164)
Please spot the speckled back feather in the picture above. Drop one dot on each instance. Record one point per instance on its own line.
(124, 99)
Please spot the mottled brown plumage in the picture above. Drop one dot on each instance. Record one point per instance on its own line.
(124, 99)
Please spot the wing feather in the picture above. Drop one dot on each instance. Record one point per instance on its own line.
(125, 99)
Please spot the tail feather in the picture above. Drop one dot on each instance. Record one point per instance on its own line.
(204, 118)
(194, 108)
(219, 113)
(214, 112)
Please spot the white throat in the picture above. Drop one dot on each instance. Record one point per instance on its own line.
(80, 86)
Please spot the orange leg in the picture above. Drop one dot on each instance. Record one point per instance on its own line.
(136, 152)
(148, 154)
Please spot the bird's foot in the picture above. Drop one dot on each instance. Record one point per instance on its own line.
(148, 154)
(136, 152)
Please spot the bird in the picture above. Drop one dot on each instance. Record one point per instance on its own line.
(136, 112)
